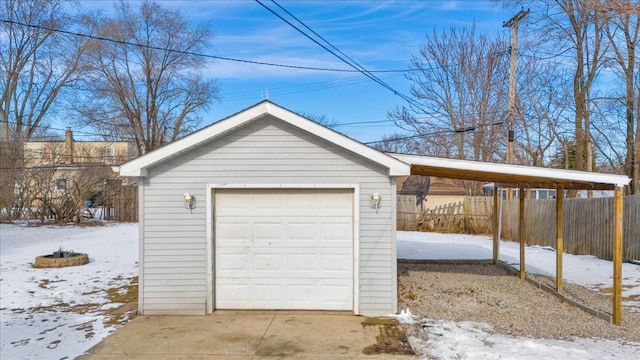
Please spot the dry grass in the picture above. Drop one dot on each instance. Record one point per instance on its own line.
(125, 294)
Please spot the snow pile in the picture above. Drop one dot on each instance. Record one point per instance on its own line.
(467, 340)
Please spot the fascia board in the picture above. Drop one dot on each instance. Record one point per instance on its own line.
(396, 167)
(139, 166)
(509, 169)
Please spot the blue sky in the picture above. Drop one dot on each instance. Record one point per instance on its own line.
(379, 35)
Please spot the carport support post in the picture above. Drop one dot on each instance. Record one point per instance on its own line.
(496, 236)
(617, 255)
(559, 238)
(521, 229)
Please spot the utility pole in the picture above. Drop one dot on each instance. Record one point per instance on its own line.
(513, 24)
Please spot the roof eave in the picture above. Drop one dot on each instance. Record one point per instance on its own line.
(513, 175)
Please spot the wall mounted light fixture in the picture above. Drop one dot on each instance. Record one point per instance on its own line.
(374, 202)
(188, 200)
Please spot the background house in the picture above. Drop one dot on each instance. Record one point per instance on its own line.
(439, 191)
(68, 153)
(60, 178)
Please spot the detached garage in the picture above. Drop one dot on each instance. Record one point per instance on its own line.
(267, 210)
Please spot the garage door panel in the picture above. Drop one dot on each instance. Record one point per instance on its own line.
(266, 231)
(301, 201)
(268, 262)
(234, 231)
(336, 264)
(335, 232)
(302, 231)
(233, 291)
(229, 263)
(267, 292)
(329, 294)
(302, 263)
(284, 249)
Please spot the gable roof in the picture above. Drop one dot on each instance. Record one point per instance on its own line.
(140, 165)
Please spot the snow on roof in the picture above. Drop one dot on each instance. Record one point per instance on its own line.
(512, 175)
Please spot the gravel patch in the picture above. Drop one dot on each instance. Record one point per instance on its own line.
(486, 293)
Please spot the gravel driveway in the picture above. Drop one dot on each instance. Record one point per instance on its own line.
(486, 293)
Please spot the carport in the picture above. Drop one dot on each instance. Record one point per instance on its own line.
(528, 177)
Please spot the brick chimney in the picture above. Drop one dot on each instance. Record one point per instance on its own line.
(68, 147)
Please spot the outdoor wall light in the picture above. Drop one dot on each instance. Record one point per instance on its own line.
(188, 201)
(374, 202)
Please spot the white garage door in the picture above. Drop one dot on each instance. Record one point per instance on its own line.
(284, 249)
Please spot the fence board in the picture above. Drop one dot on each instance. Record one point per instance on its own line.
(588, 225)
(407, 212)
(121, 203)
(125, 204)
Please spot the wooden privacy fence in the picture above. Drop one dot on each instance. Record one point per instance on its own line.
(408, 213)
(120, 203)
(588, 225)
(125, 204)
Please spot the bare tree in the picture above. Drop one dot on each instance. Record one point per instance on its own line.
(542, 110)
(36, 62)
(573, 31)
(403, 144)
(459, 78)
(146, 84)
(321, 119)
(623, 31)
(609, 136)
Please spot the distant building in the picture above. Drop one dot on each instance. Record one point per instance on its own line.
(440, 191)
(68, 158)
(543, 193)
(70, 153)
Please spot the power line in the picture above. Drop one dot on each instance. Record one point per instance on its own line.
(129, 43)
(297, 89)
(368, 73)
(352, 64)
(440, 132)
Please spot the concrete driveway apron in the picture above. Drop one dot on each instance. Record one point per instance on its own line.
(255, 335)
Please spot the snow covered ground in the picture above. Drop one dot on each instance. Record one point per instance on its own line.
(588, 271)
(467, 340)
(448, 340)
(61, 313)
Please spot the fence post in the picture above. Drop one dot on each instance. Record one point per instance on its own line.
(559, 238)
(521, 231)
(494, 225)
(617, 255)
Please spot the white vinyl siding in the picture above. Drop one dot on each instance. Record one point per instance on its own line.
(266, 151)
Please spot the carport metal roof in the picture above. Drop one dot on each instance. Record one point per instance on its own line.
(515, 176)
(523, 177)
